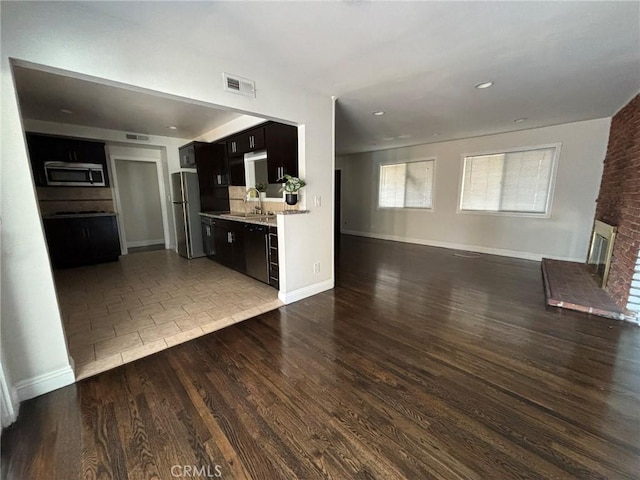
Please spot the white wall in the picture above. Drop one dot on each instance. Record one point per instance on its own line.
(565, 235)
(234, 126)
(73, 38)
(140, 201)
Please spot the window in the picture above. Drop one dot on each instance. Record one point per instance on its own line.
(510, 182)
(406, 185)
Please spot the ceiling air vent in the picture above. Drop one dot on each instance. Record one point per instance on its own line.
(239, 85)
(133, 136)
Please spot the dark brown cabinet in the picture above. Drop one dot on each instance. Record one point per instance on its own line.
(213, 174)
(82, 240)
(282, 151)
(48, 148)
(280, 142)
(188, 155)
(246, 247)
(236, 171)
(223, 242)
(246, 141)
(207, 237)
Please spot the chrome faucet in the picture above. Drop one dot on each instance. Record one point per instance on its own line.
(257, 209)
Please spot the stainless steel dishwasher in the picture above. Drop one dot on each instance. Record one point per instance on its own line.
(256, 248)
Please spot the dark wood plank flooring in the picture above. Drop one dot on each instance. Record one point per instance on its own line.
(420, 364)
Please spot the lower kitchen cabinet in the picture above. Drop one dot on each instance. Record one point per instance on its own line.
(207, 237)
(224, 242)
(246, 247)
(82, 240)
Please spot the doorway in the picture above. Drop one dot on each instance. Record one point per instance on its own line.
(139, 204)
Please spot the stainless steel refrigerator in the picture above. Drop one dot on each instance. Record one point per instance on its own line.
(186, 205)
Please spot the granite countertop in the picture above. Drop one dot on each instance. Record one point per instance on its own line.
(270, 220)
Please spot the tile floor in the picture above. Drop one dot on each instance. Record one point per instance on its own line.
(117, 312)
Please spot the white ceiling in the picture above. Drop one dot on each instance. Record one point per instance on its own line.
(62, 99)
(552, 63)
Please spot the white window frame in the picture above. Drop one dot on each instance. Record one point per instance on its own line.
(404, 209)
(550, 193)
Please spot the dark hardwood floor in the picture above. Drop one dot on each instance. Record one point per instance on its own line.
(420, 364)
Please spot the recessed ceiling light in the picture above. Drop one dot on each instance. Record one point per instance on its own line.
(171, 127)
(484, 85)
(67, 111)
(378, 113)
(387, 139)
(404, 135)
(436, 134)
(520, 120)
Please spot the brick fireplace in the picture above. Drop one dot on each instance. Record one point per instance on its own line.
(618, 202)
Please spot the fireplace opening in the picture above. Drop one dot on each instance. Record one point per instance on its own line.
(601, 251)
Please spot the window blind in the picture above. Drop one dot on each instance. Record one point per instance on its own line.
(406, 185)
(508, 182)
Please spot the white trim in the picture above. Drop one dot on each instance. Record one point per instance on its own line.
(116, 197)
(145, 243)
(459, 246)
(406, 209)
(550, 193)
(9, 403)
(45, 383)
(333, 190)
(304, 292)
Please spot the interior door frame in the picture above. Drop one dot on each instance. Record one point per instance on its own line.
(116, 197)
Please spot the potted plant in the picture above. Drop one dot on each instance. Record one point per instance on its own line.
(262, 190)
(290, 187)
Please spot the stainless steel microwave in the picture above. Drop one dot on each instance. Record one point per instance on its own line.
(74, 174)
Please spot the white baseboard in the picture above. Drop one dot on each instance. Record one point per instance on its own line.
(48, 382)
(10, 405)
(459, 246)
(145, 243)
(304, 292)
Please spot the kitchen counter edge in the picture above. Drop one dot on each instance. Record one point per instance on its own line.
(79, 215)
(260, 221)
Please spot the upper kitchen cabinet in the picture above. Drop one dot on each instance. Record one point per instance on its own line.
(187, 155)
(195, 153)
(282, 151)
(280, 142)
(237, 171)
(47, 148)
(246, 141)
(213, 173)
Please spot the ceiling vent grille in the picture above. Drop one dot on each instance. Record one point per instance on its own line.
(133, 136)
(239, 85)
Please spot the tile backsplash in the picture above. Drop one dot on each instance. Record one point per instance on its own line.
(237, 202)
(74, 199)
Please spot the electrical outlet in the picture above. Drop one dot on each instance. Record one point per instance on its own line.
(317, 201)
(316, 267)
